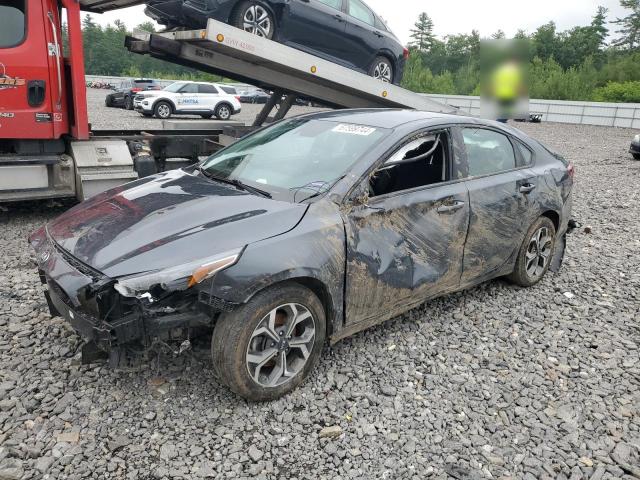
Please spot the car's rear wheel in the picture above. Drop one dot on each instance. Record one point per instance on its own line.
(108, 101)
(223, 112)
(636, 156)
(254, 17)
(267, 347)
(128, 103)
(382, 69)
(162, 110)
(536, 252)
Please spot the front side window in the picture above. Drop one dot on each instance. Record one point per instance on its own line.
(359, 10)
(175, 87)
(418, 163)
(13, 24)
(337, 4)
(297, 157)
(488, 152)
(189, 88)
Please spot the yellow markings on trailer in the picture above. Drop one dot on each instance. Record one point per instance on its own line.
(220, 37)
(385, 94)
(314, 69)
(203, 34)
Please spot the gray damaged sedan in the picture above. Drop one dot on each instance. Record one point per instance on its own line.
(304, 232)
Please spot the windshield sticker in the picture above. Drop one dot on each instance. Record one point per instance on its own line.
(353, 129)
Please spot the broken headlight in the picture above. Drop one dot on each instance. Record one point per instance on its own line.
(176, 278)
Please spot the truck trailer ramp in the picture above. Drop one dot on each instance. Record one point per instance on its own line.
(228, 51)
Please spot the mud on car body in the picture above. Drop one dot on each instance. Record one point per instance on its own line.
(309, 230)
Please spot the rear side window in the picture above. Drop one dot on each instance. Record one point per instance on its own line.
(204, 88)
(12, 23)
(488, 152)
(229, 90)
(359, 10)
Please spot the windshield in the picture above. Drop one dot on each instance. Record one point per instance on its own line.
(174, 87)
(297, 155)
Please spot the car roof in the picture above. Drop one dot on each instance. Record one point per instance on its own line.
(385, 117)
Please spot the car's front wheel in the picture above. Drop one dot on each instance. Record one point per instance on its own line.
(382, 69)
(128, 103)
(254, 17)
(108, 101)
(223, 112)
(636, 156)
(162, 110)
(536, 252)
(267, 347)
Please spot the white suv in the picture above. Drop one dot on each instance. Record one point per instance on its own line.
(190, 98)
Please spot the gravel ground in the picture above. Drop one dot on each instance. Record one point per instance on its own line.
(496, 382)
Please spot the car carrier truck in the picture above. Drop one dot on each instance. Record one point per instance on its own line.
(47, 146)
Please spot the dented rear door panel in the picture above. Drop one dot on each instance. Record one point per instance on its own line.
(401, 250)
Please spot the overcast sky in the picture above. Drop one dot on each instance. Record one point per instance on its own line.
(459, 16)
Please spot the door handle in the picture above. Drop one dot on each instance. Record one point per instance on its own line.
(378, 34)
(527, 188)
(450, 208)
(337, 16)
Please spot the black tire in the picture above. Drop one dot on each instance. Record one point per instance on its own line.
(145, 166)
(108, 101)
(386, 73)
(128, 103)
(243, 11)
(528, 271)
(162, 110)
(207, 115)
(235, 334)
(636, 156)
(224, 111)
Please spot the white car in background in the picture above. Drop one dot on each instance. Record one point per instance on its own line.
(188, 98)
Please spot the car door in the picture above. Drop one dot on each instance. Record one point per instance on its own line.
(362, 39)
(405, 242)
(501, 193)
(208, 96)
(188, 100)
(317, 26)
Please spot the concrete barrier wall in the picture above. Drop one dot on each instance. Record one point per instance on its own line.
(589, 113)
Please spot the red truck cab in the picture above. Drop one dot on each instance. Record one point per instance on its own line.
(38, 97)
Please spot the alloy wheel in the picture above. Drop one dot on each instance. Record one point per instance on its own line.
(538, 253)
(164, 111)
(224, 113)
(280, 345)
(257, 20)
(383, 72)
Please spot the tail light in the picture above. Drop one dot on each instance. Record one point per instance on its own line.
(406, 53)
(136, 90)
(238, 97)
(571, 170)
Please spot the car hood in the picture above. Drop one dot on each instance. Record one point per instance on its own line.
(167, 220)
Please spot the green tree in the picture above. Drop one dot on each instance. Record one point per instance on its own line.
(422, 36)
(629, 26)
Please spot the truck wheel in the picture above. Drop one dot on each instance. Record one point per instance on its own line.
(223, 111)
(128, 103)
(145, 165)
(254, 17)
(162, 110)
(382, 69)
(267, 347)
(535, 253)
